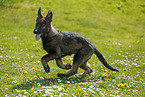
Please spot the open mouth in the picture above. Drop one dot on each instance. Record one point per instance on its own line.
(38, 36)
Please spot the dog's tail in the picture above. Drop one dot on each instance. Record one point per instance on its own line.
(101, 58)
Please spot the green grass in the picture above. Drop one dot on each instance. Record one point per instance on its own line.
(118, 32)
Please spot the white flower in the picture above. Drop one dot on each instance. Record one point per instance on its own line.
(17, 90)
(41, 77)
(91, 90)
(45, 95)
(13, 81)
(59, 89)
(55, 86)
(68, 82)
(48, 91)
(25, 92)
(44, 87)
(40, 90)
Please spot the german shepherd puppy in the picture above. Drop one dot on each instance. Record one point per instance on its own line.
(60, 43)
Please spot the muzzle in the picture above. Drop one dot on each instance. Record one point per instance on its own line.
(35, 31)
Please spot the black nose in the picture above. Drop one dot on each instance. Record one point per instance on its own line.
(35, 31)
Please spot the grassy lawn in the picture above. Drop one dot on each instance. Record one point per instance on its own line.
(116, 27)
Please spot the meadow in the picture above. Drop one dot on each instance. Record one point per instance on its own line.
(116, 27)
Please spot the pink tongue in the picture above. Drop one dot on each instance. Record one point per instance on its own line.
(38, 36)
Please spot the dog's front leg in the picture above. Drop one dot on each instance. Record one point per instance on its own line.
(60, 64)
(45, 59)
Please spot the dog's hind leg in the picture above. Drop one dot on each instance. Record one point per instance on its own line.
(79, 58)
(87, 69)
(60, 64)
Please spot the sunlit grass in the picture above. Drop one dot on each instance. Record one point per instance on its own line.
(115, 27)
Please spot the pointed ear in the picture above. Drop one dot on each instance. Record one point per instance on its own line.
(40, 15)
(49, 16)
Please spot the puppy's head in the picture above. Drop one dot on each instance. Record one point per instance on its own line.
(43, 24)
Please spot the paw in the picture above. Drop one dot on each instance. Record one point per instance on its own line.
(60, 75)
(47, 69)
(68, 66)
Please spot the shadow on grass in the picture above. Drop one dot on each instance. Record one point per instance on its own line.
(47, 82)
(55, 81)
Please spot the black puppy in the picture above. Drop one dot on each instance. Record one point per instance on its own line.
(59, 44)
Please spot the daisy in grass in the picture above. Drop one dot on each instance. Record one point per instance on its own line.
(23, 91)
(120, 84)
(131, 86)
(125, 69)
(2, 63)
(25, 72)
(138, 66)
(6, 74)
(141, 79)
(100, 82)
